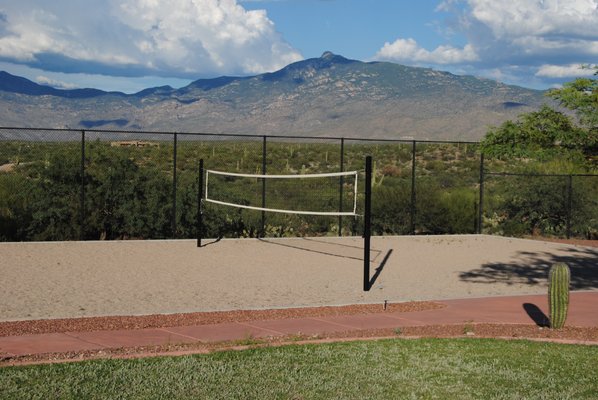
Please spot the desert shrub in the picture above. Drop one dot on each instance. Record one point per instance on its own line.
(391, 209)
(445, 211)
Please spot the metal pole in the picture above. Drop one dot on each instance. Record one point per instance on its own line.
(82, 194)
(199, 204)
(264, 154)
(413, 209)
(174, 185)
(475, 216)
(367, 217)
(481, 197)
(340, 189)
(569, 204)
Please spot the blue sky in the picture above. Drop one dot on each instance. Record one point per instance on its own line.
(128, 45)
(353, 28)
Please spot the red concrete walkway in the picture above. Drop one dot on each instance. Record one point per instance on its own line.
(512, 310)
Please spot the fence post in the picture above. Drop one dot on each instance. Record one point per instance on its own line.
(174, 185)
(340, 190)
(82, 193)
(199, 203)
(413, 210)
(367, 216)
(264, 154)
(569, 203)
(481, 196)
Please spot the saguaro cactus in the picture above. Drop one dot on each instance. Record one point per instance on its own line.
(558, 294)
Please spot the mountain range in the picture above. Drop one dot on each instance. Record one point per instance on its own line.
(326, 96)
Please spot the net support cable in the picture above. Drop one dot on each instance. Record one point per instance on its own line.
(296, 176)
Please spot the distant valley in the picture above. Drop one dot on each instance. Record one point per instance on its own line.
(325, 96)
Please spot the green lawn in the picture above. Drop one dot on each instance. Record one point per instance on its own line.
(385, 369)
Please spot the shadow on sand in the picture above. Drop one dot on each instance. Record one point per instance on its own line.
(379, 269)
(337, 250)
(534, 266)
(322, 247)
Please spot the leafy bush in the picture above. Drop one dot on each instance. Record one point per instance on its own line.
(445, 211)
(128, 191)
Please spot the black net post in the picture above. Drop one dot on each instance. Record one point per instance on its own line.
(199, 203)
(367, 218)
(340, 190)
(481, 196)
(412, 211)
(174, 185)
(82, 193)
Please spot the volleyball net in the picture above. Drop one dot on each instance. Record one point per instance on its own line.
(324, 194)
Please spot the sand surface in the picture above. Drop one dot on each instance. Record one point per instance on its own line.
(74, 279)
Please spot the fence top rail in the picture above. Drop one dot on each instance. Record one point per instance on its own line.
(533, 174)
(237, 135)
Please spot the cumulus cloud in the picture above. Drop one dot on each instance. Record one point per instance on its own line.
(535, 31)
(409, 50)
(563, 71)
(178, 38)
(533, 18)
(549, 37)
(44, 80)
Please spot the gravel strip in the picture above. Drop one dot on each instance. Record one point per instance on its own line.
(17, 328)
(571, 335)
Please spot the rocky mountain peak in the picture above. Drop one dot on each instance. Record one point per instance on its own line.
(322, 96)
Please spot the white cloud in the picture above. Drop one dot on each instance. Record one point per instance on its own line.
(44, 80)
(563, 71)
(141, 37)
(542, 37)
(78, 80)
(534, 32)
(517, 18)
(407, 50)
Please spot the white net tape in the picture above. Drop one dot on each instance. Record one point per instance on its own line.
(323, 182)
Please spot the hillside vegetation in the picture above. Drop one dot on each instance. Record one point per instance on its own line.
(538, 178)
(128, 191)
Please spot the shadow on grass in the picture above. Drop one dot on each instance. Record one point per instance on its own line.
(533, 269)
(537, 315)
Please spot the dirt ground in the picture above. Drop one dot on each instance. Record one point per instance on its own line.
(80, 279)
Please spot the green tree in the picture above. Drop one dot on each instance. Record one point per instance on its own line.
(539, 205)
(14, 214)
(126, 198)
(532, 206)
(53, 197)
(537, 134)
(581, 96)
(548, 131)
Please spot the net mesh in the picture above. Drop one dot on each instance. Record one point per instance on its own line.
(317, 194)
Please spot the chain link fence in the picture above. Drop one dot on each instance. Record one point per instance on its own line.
(92, 184)
(551, 205)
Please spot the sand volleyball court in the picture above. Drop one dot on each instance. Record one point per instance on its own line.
(74, 279)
